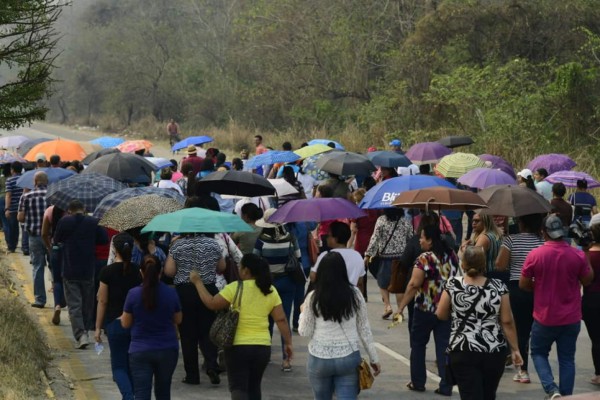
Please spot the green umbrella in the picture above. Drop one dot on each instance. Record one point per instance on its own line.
(191, 220)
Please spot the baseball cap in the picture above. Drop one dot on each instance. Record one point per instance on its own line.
(553, 226)
(40, 156)
(525, 173)
(396, 142)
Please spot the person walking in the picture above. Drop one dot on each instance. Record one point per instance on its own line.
(12, 198)
(487, 235)
(584, 204)
(173, 132)
(152, 311)
(250, 213)
(542, 186)
(590, 302)
(31, 212)
(334, 317)
(482, 324)
(559, 270)
(247, 359)
(51, 217)
(115, 282)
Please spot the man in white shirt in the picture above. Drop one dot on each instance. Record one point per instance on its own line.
(337, 239)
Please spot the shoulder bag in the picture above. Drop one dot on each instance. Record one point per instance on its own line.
(222, 332)
(365, 375)
(449, 375)
(375, 260)
(293, 267)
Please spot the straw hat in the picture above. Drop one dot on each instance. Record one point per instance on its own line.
(263, 222)
(191, 149)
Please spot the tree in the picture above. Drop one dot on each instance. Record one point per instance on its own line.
(27, 43)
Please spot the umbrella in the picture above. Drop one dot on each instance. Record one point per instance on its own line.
(499, 163)
(66, 149)
(28, 145)
(388, 159)
(312, 150)
(191, 141)
(160, 162)
(241, 183)
(12, 141)
(190, 220)
(113, 200)
(138, 211)
(383, 194)
(481, 178)
(132, 146)
(283, 187)
(326, 142)
(309, 167)
(345, 163)
(54, 175)
(90, 189)
(108, 141)
(455, 141)
(427, 153)
(570, 178)
(457, 164)
(7, 158)
(441, 198)
(513, 201)
(552, 163)
(97, 154)
(271, 157)
(316, 209)
(123, 167)
(89, 147)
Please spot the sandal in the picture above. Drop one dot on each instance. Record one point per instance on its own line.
(595, 380)
(286, 366)
(412, 387)
(387, 312)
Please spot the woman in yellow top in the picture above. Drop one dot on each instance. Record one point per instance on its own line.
(247, 359)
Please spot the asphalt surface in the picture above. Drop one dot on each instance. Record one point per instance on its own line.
(91, 375)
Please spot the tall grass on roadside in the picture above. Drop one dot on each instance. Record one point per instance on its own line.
(23, 350)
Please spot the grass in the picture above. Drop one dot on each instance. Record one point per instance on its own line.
(23, 350)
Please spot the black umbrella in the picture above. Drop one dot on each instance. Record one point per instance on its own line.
(30, 144)
(388, 159)
(345, 163)
(455, 141)
(97, 154)
(236, 183)
(124, 167)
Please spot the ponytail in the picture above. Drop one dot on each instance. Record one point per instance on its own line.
(123, 243)
(260, 271)
(529, 183)
(151, 269)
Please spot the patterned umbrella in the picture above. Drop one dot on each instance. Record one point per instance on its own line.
(326, 142)
(427, 152)
(309, 167)
(552, 163)
(12, 141)
(457, 164)
(192, 140)
(138, 211)
(54, 175)
(113, 200)
(271, 157)
(108, 141)
(481, 178)
(132, 146)
(90, 189)
(499, 163)
(570, 178)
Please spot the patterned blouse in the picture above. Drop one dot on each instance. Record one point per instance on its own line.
(436, 273)
(384, 229)
(482, 332)
(195, 253)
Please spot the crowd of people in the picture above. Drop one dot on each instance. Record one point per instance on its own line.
(508, 290)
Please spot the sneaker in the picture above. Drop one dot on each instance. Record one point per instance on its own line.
(553, 396)
(83, 341)
(521, 377)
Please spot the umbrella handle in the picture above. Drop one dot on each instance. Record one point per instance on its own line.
(427, 204)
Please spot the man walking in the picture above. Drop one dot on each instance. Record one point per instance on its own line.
(12, 198)
(78, 235)
(31, 213)
(555, 273)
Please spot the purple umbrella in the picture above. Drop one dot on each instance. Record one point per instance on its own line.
(499, 163)
(552, 162)
(427, 153)
(570, 178)
(316, 209)
(481, 178)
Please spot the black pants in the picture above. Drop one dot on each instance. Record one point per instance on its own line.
(245, 367)
(591, 317)
(477, 374)
(521, 303)
(193, 330)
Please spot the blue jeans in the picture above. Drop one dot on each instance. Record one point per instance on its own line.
(286, 287)
(157, 364)
(339, 375)
(3, 215)
(24, 239)
(119, 339)
(13, 232)
(56, 268)
(423, 323)
(38, 262)
(565, 337)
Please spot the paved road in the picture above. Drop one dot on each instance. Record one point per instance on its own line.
(92, 377)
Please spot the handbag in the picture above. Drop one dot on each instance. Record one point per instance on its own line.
(374, 261)
(398, 279)
(448, 374)
(365, 375)
(222, 332)
(232, 272)
(293, 267)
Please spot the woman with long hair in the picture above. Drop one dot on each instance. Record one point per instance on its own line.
(482, 323)
(49, 222)
(115, 282)
(290, 177)
(247, 359)
(151, 311)
(487, 236)
(334, 317)
(436, 264)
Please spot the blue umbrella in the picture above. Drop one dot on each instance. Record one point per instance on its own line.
(54, 175)
(271, 157)
(388, 159)
(383, 194)
(326, 142)
(108, 141)
(191, 141)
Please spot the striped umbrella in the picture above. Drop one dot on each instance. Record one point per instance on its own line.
(90, 189)
(138, 211)
(113, 200)
(457, 164)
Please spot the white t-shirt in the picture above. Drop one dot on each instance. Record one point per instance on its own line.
(308, 183)
(168, 184)
(354, 263)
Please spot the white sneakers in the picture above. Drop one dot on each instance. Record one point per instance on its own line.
(553, 396)
(522, 377)
(83, 341)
